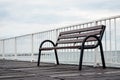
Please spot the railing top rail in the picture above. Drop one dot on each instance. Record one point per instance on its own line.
(102, 19)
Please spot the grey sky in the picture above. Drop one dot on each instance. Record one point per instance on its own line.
(18, 17)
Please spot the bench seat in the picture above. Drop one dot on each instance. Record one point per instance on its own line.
(67, 47)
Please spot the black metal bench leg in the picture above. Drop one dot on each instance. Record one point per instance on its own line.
(57, 61)
(81, 59)
(39, 55)
(102, 56)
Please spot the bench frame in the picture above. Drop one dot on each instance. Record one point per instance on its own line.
(81, 48)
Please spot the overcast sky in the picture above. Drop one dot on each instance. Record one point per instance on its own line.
(19, 17)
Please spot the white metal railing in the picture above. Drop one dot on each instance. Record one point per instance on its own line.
(26, 47)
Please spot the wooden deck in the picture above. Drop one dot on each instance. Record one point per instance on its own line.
(18, 70)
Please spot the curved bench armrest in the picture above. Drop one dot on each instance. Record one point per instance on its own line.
(82, 50)
(94, 36)
(45, 42)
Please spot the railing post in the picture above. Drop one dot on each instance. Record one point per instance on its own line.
(3, 50)
(32, 53)
(15, 49)
(96, 62)
(56, 35)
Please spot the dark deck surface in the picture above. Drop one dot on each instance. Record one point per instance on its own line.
(17, 70)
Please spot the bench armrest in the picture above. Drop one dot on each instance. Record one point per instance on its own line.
(94, 36)
(45, 42)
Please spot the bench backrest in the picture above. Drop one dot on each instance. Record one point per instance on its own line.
(78, 35)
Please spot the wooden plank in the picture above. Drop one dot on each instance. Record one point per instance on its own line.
(82, 30)
(80, 35)
(75, 41)
(66, 47)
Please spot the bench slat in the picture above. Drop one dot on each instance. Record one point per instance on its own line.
(82, 30)
(75, 41)
(65, 47)
(80, 35)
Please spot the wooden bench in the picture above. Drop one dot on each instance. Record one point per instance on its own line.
(78, 39)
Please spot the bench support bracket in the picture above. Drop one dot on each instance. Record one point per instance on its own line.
(39, 55)
(83, 47)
